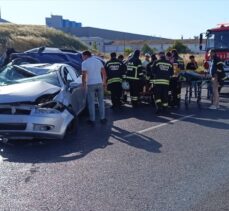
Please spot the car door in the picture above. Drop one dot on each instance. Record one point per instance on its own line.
(75, 94)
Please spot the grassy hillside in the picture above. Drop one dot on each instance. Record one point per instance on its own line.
(24, 37)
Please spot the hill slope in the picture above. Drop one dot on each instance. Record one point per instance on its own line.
(24, 37)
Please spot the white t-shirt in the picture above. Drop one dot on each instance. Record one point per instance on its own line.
(93, 68)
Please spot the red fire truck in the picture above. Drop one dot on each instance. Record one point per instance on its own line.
(217, 39)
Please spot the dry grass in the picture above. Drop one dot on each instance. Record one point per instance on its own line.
(24, 37)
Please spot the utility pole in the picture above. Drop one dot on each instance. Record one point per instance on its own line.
(124, 43)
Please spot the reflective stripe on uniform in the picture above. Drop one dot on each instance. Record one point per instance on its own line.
(132, 66)
(135, 68)
(160, 81)
(158, 101)
(134, 98)
(114, 80)
(163, 63)
(132, 78)
(165, 104)
(113, 63)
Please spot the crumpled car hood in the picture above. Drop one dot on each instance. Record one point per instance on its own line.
(26, 92)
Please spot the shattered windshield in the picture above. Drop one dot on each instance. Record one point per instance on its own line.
(17, 74)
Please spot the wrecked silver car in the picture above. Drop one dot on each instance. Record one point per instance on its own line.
(39, 100)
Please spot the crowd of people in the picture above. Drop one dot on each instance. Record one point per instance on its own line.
(157, 75)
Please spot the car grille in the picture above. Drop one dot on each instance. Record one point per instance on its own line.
(14, 111)
(12, 126)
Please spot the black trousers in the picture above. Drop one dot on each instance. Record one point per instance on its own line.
(174, 92)
(160, 92)
(135, 89)
(116, 93)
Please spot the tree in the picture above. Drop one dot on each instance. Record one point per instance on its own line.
(128, 51)
(94, 46)
(180, 47)
(147, 49)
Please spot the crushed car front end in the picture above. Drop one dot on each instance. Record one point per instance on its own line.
(29, 110)
(31, 121)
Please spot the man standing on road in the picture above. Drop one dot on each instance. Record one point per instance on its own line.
(217, 73)
(94, 79)
(162, 70)
(134, 75)
(175, 84)
(115, 71)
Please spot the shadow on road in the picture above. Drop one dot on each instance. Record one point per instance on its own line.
(89, 138)
(85, 141)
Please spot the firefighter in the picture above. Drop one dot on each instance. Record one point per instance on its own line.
(115, 71)
(149, 66)
(162, 70)
(134, 75)
(175, 84)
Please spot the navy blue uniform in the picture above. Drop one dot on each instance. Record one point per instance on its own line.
(134, 75)
(162, 70)
(115, 70)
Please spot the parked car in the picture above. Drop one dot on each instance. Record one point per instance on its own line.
(5, 57)
(51, 55)
(39, 100)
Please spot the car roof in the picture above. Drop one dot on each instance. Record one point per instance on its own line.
(51, 50)
(42, 68)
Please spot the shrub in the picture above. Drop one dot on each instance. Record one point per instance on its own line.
(180, 47)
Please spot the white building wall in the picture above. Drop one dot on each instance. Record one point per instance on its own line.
(91, 41)
(119, 48)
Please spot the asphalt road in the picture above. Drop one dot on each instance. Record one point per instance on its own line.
(136, 162)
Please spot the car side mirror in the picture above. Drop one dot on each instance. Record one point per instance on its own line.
(74, 84)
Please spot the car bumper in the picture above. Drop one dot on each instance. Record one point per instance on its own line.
(35, 126)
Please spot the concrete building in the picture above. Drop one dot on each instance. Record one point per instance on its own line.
(108, 41)
(57, 21)
(108, 34)
(72, 27)
(96, 43)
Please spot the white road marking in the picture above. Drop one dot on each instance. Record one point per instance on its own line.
(157, 126)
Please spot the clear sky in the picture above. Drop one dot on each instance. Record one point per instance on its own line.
(164, 18)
